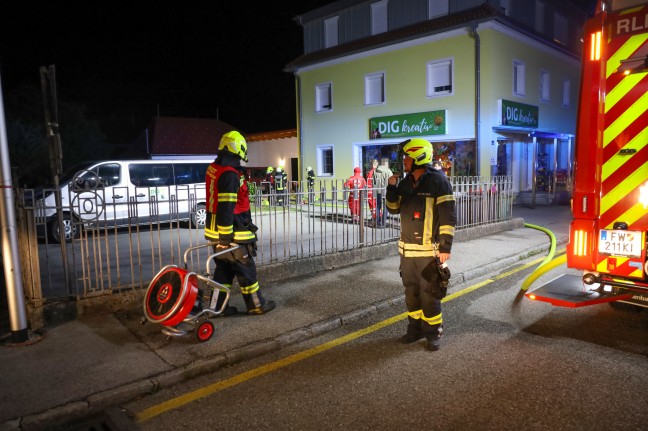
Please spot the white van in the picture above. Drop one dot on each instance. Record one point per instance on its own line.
(122, 193)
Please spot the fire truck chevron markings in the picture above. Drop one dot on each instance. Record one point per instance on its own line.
(624, 52)
(624, 120)
(618, 92)
(632, 182)
(638, 143)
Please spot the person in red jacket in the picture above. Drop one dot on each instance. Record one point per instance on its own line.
(355, 184)
(229, 221)
(371, 184)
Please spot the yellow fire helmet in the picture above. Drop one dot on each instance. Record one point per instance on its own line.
(418, 149)
(279, 168)
(235, 143)
(269, 170)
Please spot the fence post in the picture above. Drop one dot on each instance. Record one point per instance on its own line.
(30, 264)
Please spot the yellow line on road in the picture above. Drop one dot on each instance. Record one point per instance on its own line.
(187, 398)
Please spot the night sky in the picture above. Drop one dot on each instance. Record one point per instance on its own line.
(129, 61)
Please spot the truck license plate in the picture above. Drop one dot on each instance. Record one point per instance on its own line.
(620, 242)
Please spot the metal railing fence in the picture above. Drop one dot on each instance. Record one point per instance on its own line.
(110, 254)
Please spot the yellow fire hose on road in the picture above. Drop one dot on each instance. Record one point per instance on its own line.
(548, 263)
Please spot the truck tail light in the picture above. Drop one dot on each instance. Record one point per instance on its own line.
(582, 244)
(595, 46)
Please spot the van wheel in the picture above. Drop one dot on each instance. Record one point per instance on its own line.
(199, 217)
(70, 229)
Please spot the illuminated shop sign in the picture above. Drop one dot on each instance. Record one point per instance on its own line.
(420, 123)
(517, 114)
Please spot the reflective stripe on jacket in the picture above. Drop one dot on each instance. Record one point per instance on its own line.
(228, 206)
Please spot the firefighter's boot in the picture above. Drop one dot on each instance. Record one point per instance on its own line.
(228, 310)
(257, 304)
(434, 340)
(198, 303)
(414, 332)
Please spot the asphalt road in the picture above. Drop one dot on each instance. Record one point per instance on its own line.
(504, 364)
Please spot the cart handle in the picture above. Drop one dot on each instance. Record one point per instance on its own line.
(231, 248)
(190, 249)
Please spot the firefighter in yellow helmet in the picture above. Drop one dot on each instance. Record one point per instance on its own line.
(269, 179)
(229, 221)
(426, 205)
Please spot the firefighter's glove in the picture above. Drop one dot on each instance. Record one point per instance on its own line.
(444, 277)
(221, 248)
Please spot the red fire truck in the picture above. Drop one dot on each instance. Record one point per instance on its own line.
(610, 195)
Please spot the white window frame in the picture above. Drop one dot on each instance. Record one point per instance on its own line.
(566, 92)
(331, 31)
(325, 88)
(519, 78)
(560, 29)
(545, 86)
(375, 93)
(435, 75)
(321, 154)
(379, 23)
(438, 8)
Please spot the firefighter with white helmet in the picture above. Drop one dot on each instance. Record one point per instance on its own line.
(229, 221)
(280, 179)
(426, 204)
(310, 180)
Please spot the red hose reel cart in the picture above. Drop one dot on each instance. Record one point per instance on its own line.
(172, 294)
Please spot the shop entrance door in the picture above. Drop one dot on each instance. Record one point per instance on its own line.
(517, 158)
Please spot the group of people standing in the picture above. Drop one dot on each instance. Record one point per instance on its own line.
(277, 181)
(375, 184)
(424, 200)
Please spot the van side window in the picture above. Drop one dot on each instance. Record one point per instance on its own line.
(189, 173)
(150, 175)
(97, 177)
(109, 175)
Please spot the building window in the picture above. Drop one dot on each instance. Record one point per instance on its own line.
(331, 32)
(437, 8)
(560, 29)
(379, 17)
(519, 84)
(539, 17)
(323, 97)
(325, 161)
(566, 90)
(545, 86)
(375, 89)
(439, 78)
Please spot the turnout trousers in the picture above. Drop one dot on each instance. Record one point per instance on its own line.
(245, 271)
(422, 295)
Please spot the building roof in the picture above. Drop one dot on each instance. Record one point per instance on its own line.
(267, 136)
(484, 12)
(174, 136)
(185, 136)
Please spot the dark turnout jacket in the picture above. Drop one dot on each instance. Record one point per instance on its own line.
(427, 212)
